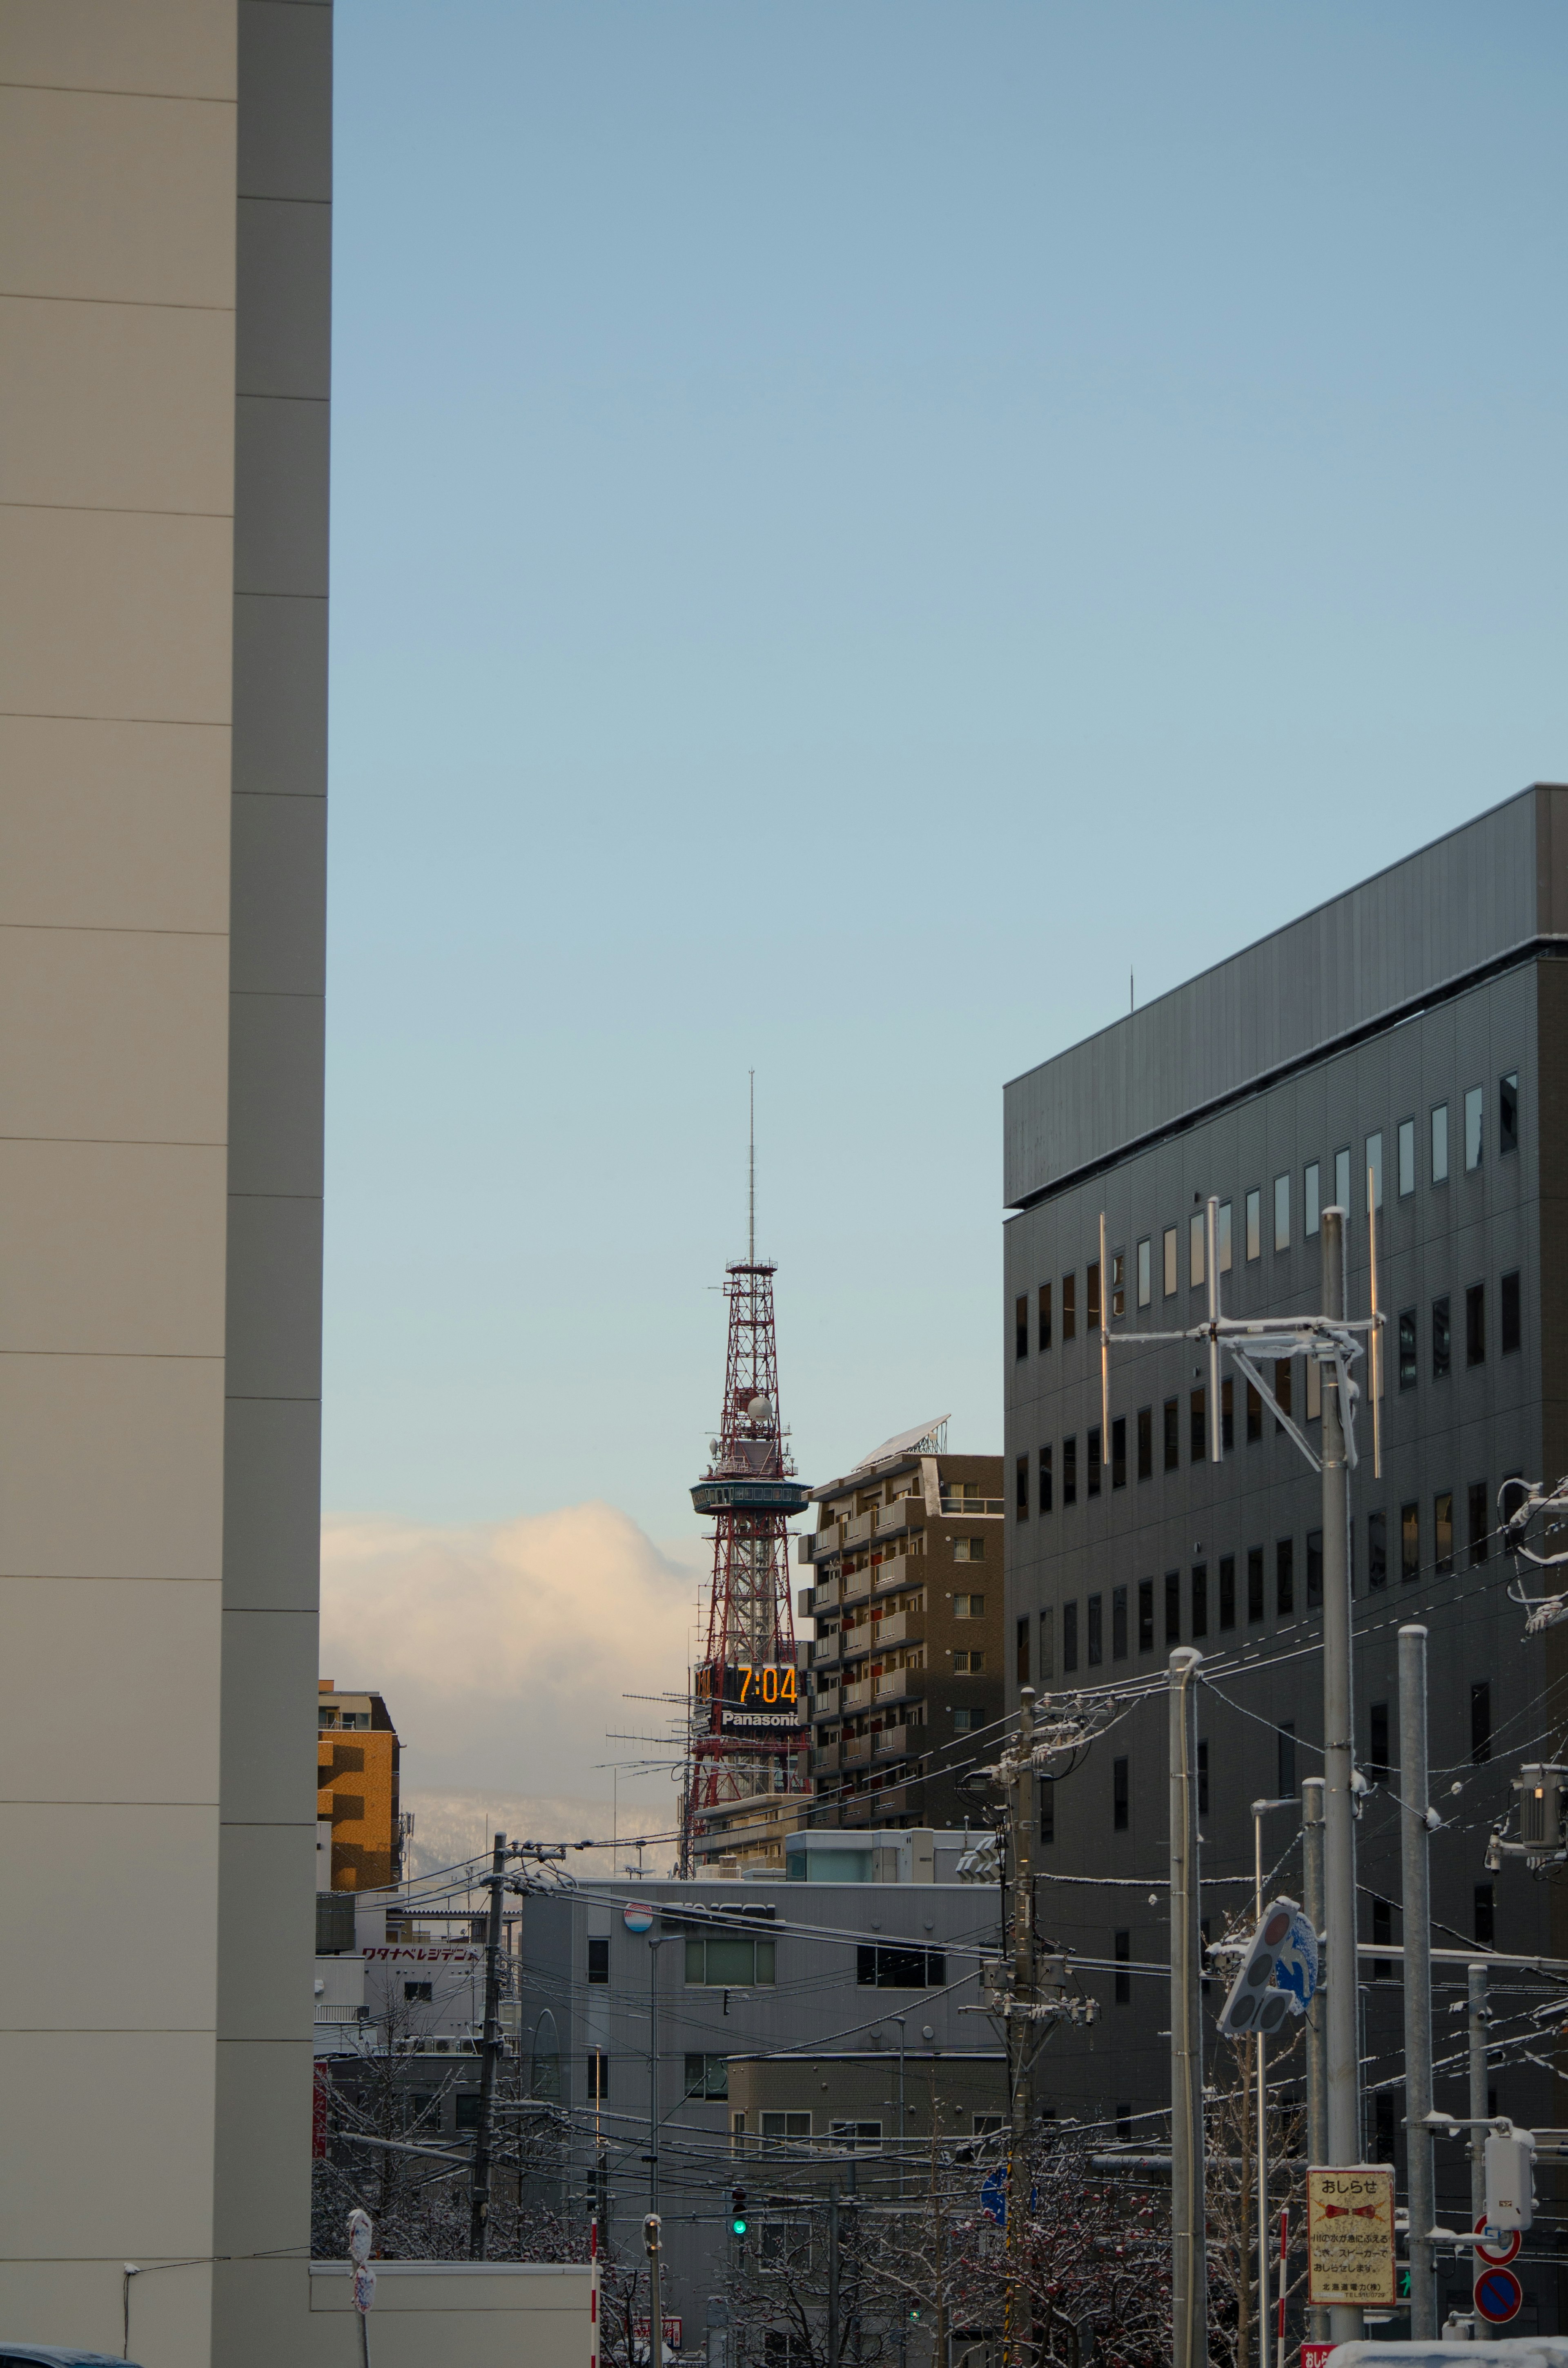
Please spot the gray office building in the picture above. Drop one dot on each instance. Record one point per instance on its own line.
(1417, 1025)
(804, 2027)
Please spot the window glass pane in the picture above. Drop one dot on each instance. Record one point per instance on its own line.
(1222, 1235)
(1021, 1327)
(1473, 1104)
(1069, 1307)
(1118, 1283)
(1045, 1315)
(1145, 1269)
(1508, 1111)
(1510, 1313)
(1407, 1349)
(1311, 1211)
(1440, 1343)
(1195, 1241)
(1342, 1181)
(1168, 1245)
(1282, 1212)
(1374, 1160)
(1406, 1156)
(1475, 1324)
(1440, 1142)
(731, 1961)
(1255, 1224)
(1443, 1529)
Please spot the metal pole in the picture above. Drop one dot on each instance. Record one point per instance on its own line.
(1020, 2028)
(1479, 2023)
(1420, 2187)
(1260, 2043)
(654, 1948)
(1317, 2066)
(901, 2021)
(1339, 1829)
(1190, 2268)
(833, 2274)
(479, 2188)
(655, 2293)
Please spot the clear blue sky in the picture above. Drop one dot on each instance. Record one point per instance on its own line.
(855, 522)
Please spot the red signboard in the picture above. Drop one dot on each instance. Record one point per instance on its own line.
(1314, 2355)
(641, 2329)
(318, 2111)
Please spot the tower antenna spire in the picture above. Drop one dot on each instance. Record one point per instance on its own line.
(751, 1176)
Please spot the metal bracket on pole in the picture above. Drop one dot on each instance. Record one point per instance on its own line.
(1280, 1417)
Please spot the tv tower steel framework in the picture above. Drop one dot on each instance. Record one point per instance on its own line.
(747, 1722)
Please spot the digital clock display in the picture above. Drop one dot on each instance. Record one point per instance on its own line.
(753, 1698)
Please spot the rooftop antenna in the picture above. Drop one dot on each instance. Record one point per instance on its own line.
(751, 1176)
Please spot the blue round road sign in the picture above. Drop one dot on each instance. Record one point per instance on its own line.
(1498, 2295)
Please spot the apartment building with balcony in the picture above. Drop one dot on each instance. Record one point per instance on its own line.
(357, 1775)
(906, 1663)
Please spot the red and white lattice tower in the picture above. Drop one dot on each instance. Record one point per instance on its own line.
(747, 1736)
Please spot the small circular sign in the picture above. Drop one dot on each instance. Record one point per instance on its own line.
(1498, 2295)
(1498, 2255)
(636, 1918)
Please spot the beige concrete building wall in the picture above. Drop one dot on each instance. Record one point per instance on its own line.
(118, 142)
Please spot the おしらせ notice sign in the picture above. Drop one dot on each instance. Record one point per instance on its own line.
(1350, 2234)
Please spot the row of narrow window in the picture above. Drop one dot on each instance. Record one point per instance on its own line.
(1311, 1215)
(1219, 1599)
(1407, 1364)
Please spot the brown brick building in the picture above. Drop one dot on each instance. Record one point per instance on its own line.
(357, 1787)
(907, 1663)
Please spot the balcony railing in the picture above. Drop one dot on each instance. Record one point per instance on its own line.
(857, 1530)
(895, 1628)
(857, 1696)
(894, 1685)
(857, 1584)
(893, 1517)
(825, 1649)
(891, 1571)
(828, 1593)
(827, 1541)
(826, 1759)
(959, 1507)
(896, 1742)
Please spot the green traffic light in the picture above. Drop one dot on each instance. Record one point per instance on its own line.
(737, 2226)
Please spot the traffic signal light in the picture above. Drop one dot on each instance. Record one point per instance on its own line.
(737, 2212)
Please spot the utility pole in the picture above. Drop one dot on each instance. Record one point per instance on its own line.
(650, 2230)
(1190, 2268)
(1478, 2022)
(1022, 2035)
(1317, 2059)
(833, 2274)
(1414, 1837)
(479, 2189)
(1338, 1741)
(655, 1945)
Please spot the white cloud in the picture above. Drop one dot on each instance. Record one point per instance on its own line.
(505, 1652)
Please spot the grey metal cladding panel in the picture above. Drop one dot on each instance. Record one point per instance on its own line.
(277, 897)
(281, 657)
(275, 1292)
(285, 127)
(277, 1073)
(282, 456)
(272, 1505)
(283, 305)
(1437, 917)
